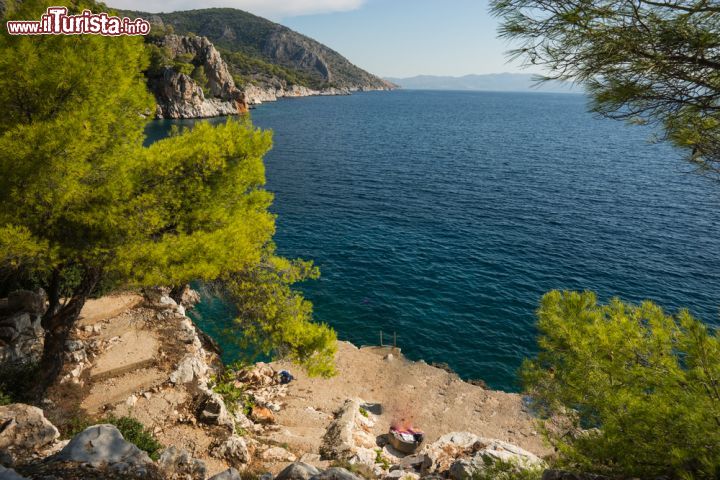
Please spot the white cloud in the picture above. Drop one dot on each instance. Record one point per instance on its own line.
(266, 8)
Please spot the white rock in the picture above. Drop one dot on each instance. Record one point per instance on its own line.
(277, 454)
(190, 367)
(474, 450)
(175, 463)
(102, 445)
(235, 450)
(25, 428)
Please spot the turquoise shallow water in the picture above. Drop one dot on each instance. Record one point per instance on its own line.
(444, 216)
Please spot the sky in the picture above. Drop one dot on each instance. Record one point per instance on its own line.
(390, 38)
(403, 38)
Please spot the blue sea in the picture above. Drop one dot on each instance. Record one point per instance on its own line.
(444, 217)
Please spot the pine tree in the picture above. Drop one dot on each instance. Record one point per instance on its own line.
(636, 391)
(84, 205)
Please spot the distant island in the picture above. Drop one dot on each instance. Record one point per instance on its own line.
(500, 82)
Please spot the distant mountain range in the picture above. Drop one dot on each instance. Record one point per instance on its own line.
(500, 82)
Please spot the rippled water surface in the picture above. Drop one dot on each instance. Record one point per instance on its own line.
(444, 216)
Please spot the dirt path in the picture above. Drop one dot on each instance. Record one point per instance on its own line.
(129, 376)
(428, 397)
(140, 348)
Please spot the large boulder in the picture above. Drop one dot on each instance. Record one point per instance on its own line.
(464, 453)
(24, 430)
(190, 368)
(102, 446)
(176, 464)
(338, 442)
(234, 450)
(298, 471)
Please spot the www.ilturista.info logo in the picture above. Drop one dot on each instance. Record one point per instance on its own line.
(56, 21)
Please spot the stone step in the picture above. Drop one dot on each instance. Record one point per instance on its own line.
(113, 391)
(134, 350)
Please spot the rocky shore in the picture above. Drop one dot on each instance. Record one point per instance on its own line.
(256, 95)
(178, 95)
(142, 358)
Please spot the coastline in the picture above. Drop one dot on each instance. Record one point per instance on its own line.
(142, 358)
(258, 95)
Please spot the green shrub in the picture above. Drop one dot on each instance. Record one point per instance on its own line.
(380, 459)
(505, 470)
(159, 59)
(235, 397)
(198, 75)
(75, 425)
(136, 433)
(637, 392)
(183, 67)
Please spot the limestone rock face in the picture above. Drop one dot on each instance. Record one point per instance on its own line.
(256, 95)
(25, 430)
(176, 464)
(463, 453)
(101, 446)
(179, 96)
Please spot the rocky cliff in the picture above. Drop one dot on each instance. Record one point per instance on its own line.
(179, 96)
(142, 361)
(265, 53)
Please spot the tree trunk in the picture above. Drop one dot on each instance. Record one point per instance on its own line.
(58, 325)
(53, 292)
